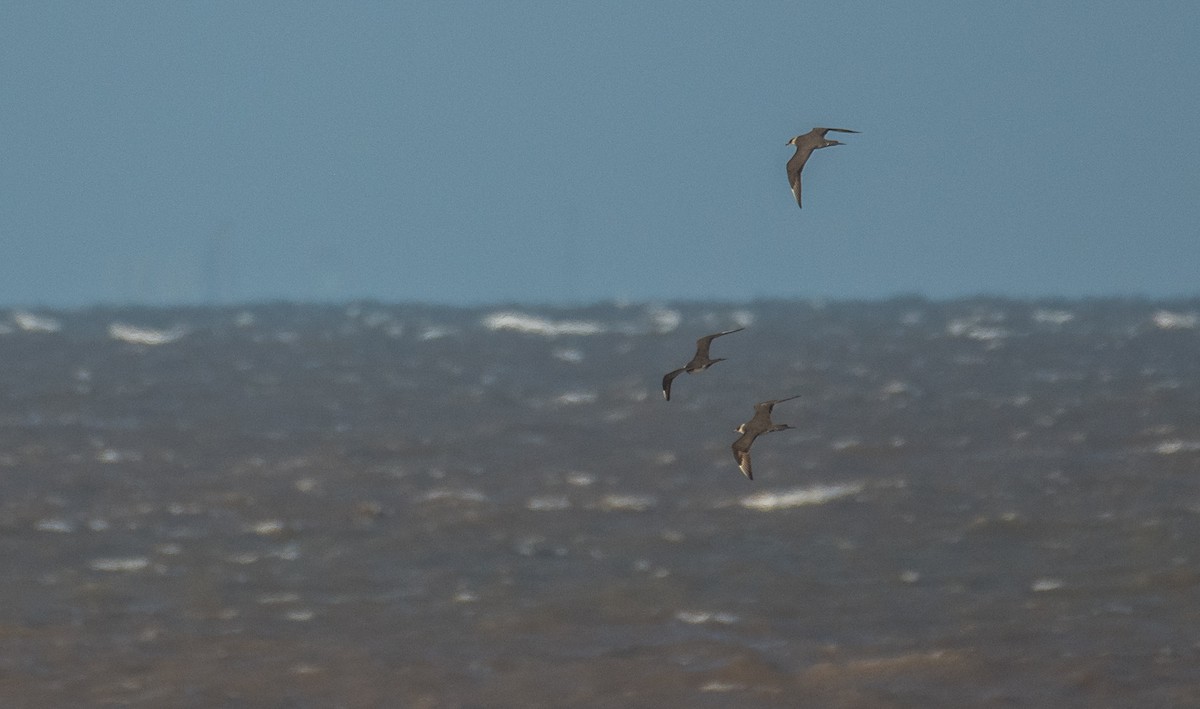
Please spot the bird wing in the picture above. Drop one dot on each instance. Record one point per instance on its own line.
(761, 420)
(770, 403)
(705, 342)
(841, 130)
(667, 379)
(741, 453)
(794, 166)
(744, 464)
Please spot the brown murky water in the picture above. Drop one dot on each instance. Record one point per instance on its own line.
(985, 504)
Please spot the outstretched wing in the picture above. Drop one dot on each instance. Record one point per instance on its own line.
(769, 404)
(743, 459)
(741, 453)
(670, 377)
(794, 166)
(705, 342)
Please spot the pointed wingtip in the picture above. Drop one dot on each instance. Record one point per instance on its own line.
(666, 383)
(744, 465)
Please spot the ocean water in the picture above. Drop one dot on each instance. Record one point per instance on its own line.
(985, 503)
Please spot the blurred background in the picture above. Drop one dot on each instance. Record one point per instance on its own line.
(333, 338)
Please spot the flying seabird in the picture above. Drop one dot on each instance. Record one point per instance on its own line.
(756, 426)
(805, 144)
(699, 363)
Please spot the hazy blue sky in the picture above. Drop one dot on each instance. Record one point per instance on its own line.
(560, 152)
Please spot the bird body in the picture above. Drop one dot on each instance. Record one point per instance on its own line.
(699, 363)
(759, 424)
(805, 145)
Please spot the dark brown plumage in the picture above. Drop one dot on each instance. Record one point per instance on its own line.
(805, 145)
(699, 363)
(756, 426)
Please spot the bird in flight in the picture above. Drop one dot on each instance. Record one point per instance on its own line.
(756, 426)
(805, 145)
(699, 363)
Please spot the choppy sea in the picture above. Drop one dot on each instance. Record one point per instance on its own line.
(984, 503)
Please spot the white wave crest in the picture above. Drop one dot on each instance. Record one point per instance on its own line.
(633, 502)
(144, 335)
(35, 323)
(1166, 320)
(119, 564)
(816, 495)
(534, 325)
